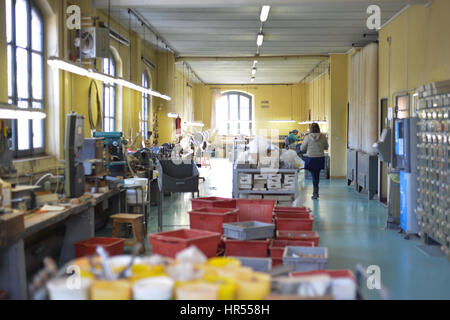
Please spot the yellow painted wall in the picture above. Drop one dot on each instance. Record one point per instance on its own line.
(420, 49)
(337, 114)
(286, 102)
(318, 99)
(66, 92)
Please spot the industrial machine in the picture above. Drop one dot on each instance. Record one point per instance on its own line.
(74, 180)
(405, 159)
(400, 150)
(115, 161)
(6, 153)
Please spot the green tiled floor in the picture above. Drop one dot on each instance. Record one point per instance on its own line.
(353, 229)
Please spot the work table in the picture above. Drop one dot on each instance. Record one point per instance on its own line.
(79, 220)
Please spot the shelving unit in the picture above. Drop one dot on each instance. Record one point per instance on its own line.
(237, 192)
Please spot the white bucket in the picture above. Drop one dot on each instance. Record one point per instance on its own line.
(158, 288)
(131, 194)
(62, 289)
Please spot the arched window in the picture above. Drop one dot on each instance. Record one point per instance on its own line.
(25, 47)
(109, 95)
(145, 106)
(234, 114)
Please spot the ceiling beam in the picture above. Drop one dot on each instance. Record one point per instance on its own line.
(249, 58)
(236, 3)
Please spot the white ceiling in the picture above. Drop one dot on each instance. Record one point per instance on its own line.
(218, 28)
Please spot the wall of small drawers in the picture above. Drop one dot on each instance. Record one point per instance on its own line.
(433, 211)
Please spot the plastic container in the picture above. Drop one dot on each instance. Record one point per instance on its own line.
(334, 274)
(141, 194)
(276, 247)
(343, 282)
(277, 262)
(159, 288)
(292, 209)
(304, 263)
(111, 290)
(169, 243)
(294, 224)
(211, 219)
(213, 202)
(253, 248)
(299, 235)
(198, 291)
(252, 286)
(257, 264)
(251, 230)
(113, 246)
(255, 210)
(59, 289)
(292, 215)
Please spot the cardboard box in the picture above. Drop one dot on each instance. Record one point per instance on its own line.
(245, 187)
(260, 177)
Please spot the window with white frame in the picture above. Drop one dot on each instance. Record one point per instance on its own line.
(25, 54)
(109, 95)
(234, 114)
(145, 106)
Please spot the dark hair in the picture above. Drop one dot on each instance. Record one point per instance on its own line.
(314, 128)
(295, 130)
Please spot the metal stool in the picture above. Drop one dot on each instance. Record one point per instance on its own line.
(136, 222)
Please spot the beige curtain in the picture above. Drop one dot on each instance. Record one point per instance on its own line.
(214, 103)
(363, 99)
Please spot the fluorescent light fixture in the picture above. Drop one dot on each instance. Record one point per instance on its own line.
(67, 66)
(253, 71)
(260, 39)
(255, 62)
(8, 111)
(82, 71)
(194, 124)
(311, 122)
(172, 115)
(282, 121)
(264, 13)
(252, 79)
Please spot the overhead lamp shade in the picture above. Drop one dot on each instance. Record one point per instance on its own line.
(253, 71)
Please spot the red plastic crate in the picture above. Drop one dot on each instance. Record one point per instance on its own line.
(293, 215)
(276, 247)
(334, 274)
(169, 243)
(277, 262)
(294, 224)
(213, 202)
(252, 248)
(299, 235)
(255, 210)
(292, 209)
(211, 219)
(113, 246)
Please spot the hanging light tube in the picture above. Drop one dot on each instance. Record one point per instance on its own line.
(172, 115)
(12, 112)
(311, 122)
(82, 71)
(264, 13)
(253, 71)
(194, 124)
(260, 39)
(282, 121)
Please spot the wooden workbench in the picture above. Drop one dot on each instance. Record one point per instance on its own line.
(80, 225)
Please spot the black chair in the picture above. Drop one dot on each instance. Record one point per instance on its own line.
(175, 178)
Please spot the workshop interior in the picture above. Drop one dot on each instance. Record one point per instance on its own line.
(224, 150)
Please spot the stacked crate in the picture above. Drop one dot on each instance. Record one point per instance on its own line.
(245, 181)
(433, 213)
